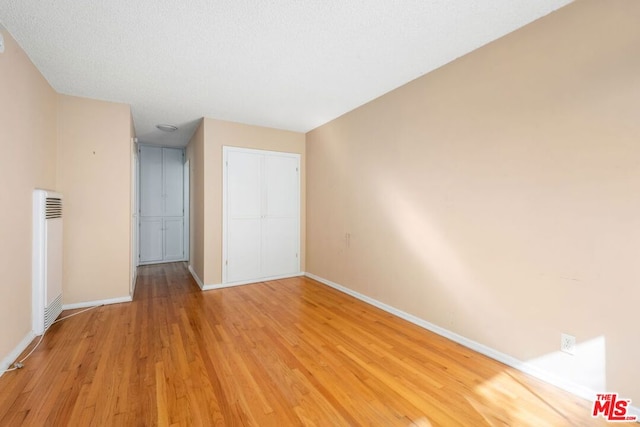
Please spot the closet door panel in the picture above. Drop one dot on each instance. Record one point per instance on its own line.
(173, 239)
(244, 252)
(280, 223)
(244, 178)
(150, 239)
(279, 247)
(172, 182)
(281, 186)
(244, 213)
(151, 200)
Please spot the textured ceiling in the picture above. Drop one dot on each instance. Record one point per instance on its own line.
(288, 64)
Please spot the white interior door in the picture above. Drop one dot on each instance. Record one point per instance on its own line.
(261, 214)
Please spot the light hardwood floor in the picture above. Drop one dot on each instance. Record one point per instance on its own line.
(287, 352)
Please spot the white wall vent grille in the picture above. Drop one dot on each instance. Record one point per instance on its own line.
(53, 207)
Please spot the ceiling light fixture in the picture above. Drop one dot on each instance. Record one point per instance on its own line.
(167, 128)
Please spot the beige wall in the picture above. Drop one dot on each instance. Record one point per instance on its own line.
(28, 161)
(94, 175)
(218, 133)
(195, 155)
(497, 197)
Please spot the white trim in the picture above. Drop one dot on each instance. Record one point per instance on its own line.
(249, 282)
(162, 262)
(97, 302)
(186, 206)
(195, 277)
(17, 351)
(135, 282)
(134, 215)
(528, 368)
(225, 172)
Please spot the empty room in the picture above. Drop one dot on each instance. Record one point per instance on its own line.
(389, 213)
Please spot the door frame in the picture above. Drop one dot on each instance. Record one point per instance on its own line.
(186, 205)
(226, 149)
(135, 186)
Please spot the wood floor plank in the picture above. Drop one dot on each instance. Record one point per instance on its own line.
(278, 353)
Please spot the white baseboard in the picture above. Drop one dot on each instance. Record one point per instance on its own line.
(525, 367)
(249, 282)
(13, 355)
(142, 264)
(195, 277)
(97, 302)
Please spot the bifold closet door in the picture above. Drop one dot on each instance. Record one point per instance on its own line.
(261, 214)
(161, 219)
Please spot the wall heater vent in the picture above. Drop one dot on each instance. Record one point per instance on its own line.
(47, 259)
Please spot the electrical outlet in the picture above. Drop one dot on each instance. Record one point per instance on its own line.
(568, 343)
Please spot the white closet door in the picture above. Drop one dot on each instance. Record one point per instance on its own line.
(151, 239)
(173, 241)
(281, 219)
(151, 181)
(161, 228)
(261, 214)
(172, 181)
(244, 214)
